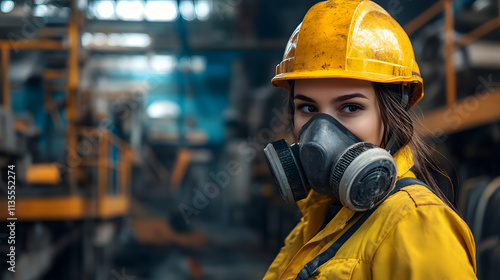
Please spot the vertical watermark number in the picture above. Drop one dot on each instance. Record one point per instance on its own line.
(11, 220)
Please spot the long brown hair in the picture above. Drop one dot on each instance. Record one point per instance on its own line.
(398, 121)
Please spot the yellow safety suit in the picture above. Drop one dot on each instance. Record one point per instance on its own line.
(412, 235)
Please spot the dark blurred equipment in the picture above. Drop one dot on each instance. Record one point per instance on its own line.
(69, 204)
(463, 123)
(480, 197)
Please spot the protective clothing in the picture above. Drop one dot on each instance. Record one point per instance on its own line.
(411, 235)
(334, 161)
(350, 39)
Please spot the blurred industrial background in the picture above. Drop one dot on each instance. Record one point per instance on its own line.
(134, 131)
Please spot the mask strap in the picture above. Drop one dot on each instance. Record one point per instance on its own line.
(406, 95)
(391, 147)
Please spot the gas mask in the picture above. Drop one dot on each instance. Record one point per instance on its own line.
(331, 160)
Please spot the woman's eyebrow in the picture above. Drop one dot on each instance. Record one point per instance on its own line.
(349, 96)
(304, 98)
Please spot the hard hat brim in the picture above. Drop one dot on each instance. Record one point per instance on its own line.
(283, 80)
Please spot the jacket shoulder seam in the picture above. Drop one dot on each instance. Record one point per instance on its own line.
(410, 196)
(422, 189)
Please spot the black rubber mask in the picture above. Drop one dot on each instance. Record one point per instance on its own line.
(332, 160)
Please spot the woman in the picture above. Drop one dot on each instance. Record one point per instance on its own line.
(352, 77)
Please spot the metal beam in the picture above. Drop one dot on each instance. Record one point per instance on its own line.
(424, 17)
(470, 112)
(32, 44)
(103, 181)
(71, 95)
(179, 172)
(5, 79)
(60, 208)
(478, 32)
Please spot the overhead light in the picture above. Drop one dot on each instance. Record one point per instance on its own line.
(130, 10)
(163, 64)
(115, 39)
(104, 10)
(198, 64)
(7, 6)
(100, 39)
(128, 40)
(138, 63)
(161, 11)
(202, 9)
(82, 4)
(133, 63)
(186, 8)
(163, 109)
(135, 40)
(52, 10)
(481, 5)
(87, 39)
(128, 63)
(40, 11)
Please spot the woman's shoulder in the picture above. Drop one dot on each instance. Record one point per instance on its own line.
(415, 201)
(413, 196)
(425, 230)
(415, 210)
(421, 195)
(411, 225)
(421, 217)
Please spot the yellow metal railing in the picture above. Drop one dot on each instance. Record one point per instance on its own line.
(103, 203)
(100, 146)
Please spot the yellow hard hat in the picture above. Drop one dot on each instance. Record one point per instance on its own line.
(350, 39)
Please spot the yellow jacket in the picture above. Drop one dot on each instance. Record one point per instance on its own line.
(412, 235)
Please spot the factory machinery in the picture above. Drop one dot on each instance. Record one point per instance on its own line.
(68, 209)
(73, 145)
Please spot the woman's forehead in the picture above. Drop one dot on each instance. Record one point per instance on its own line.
(332, 88)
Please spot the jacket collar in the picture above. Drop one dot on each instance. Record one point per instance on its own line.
(316, 205)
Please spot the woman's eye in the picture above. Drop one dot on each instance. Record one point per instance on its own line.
(351, 108)
(307, 108)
